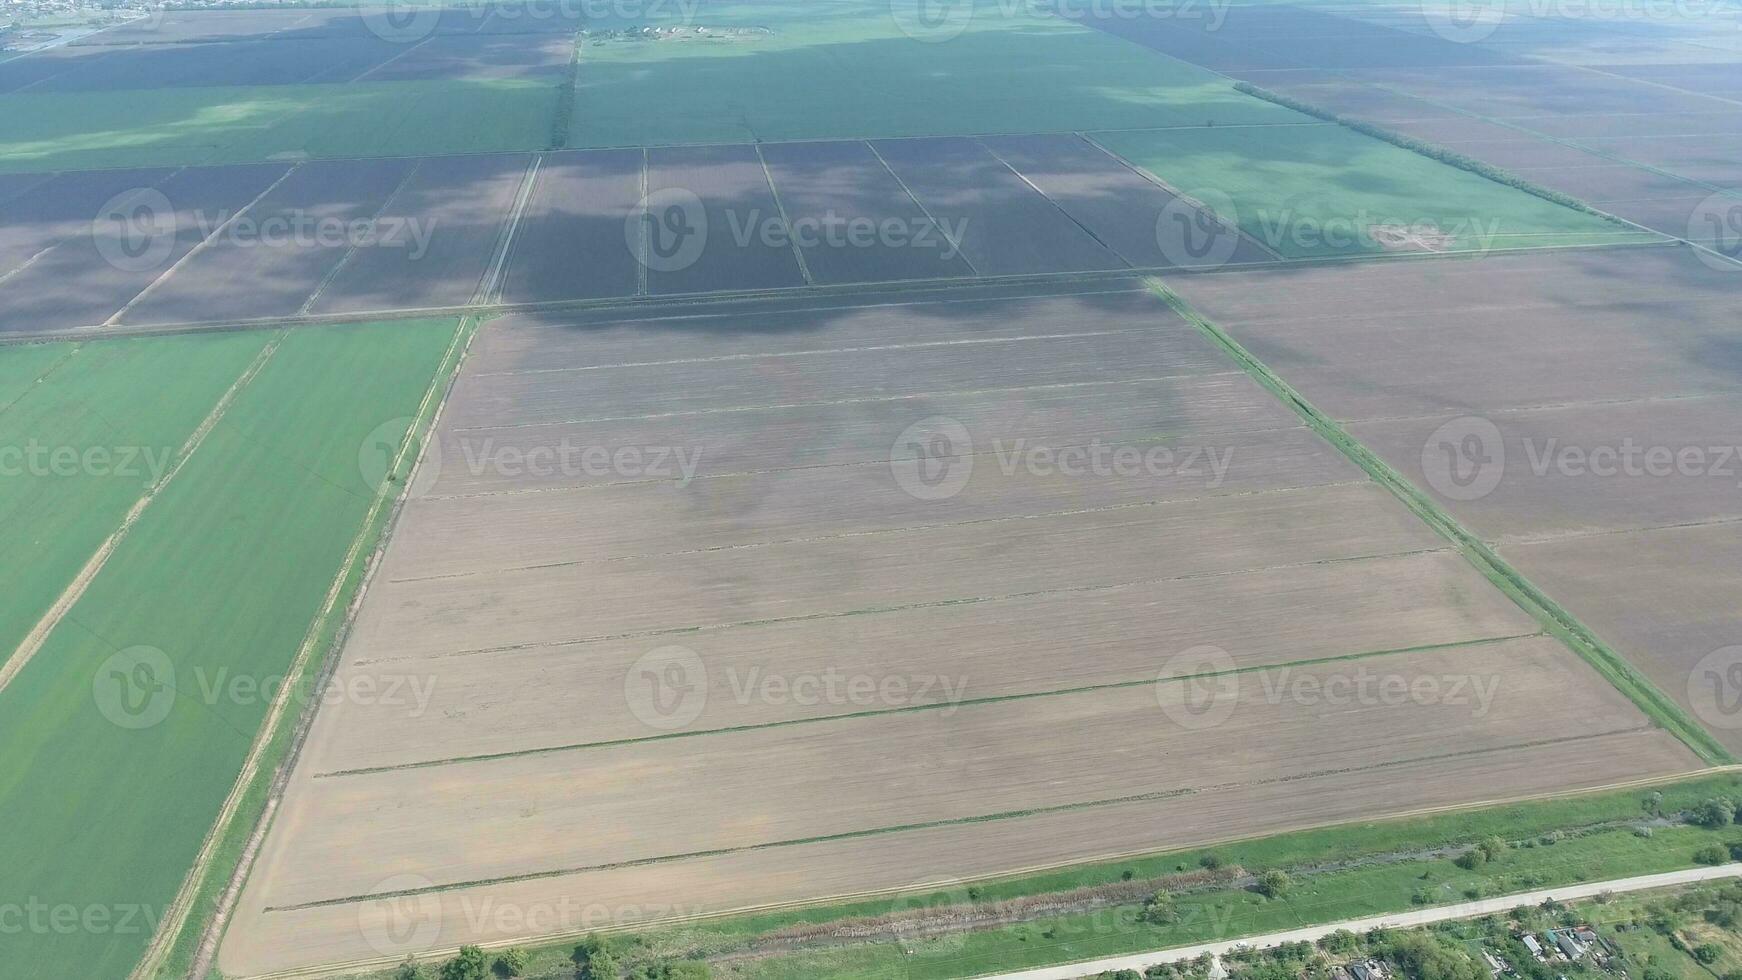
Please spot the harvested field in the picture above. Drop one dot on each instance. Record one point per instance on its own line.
(835, 186)
(439, 236)
(1008, 228)
(515, 610)
(573, 238)
(209, 598)
(1594, 447)
(709, 208)
(274, 257)
(1195, 793)
(1121, 207)
(88, 277)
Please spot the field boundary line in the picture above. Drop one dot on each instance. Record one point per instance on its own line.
(198, 248)
(1018, 814)
(786, 222)
(1097, 239)
(75, 590)
(934, 706)
(349, 968)
(171, 925)
(351, 252)
(942, 228)
(490, 284)
(1583, 641)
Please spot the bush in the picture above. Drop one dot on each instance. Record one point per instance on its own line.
(1711, 854)
(470, 964)
(1471, 860)
(1492, 847)
(1716, 812)
(1273, 883)
(595, 960)
(673, 970)
(1210, 862)
(411, 969)
(512, 962)
(1159, 910)
(1735, 850)
(1341, 941)
(1708, 953)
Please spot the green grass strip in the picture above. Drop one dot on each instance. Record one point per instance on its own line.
(1657, 705)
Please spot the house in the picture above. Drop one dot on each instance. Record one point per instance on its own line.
(1535, 947)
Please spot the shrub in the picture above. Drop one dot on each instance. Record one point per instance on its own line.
(411, 969)
(595, 960)
(1210, 862)
(1341, 941)
(1711, 854)
(1273, 883)
(1715, 812)
(512, 962)
(1159, 910)
(470, 964)
(1471, 860)
(1707, 953)
(673, 970)
(1492, 847)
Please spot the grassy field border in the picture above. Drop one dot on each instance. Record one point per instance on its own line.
(1556, 620)
(202, 903)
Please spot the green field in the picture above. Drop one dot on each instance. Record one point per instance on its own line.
(186, 126)
(845, 68)
(1315, 191)
(115, 775)
(85, 442)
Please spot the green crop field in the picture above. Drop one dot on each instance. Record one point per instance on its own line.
(1316, 191)
(81, 445)
(847, 69)
(185, 126)
(129, 727)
